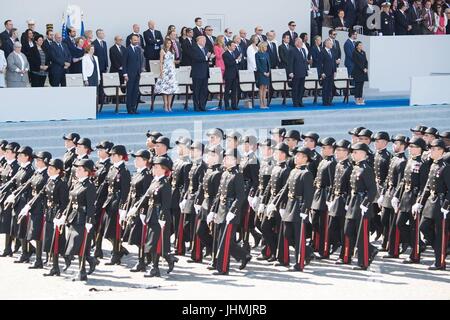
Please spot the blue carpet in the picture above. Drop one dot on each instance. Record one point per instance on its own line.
(144, 109)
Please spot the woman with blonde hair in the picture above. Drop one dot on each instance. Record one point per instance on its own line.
(167, 84)
(219, 49)
(262, 73)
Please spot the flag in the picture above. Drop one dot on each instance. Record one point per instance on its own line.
(64, 28)
(82, 27)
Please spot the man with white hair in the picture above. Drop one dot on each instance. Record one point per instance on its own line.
(153, 43)
(327, 69)
(18, 67)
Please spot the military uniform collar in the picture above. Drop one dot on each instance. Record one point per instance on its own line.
(158, 178)
(72, 150)
(24, 165)
(382, 151)
(103, 161)
(215, 166)
(118, 164)
(83, 156)
(440, 161)
(139, 170)
(41, 169)
(54, 177)
(419, 157)
(302, 167)
(83, 179)
(10, 161)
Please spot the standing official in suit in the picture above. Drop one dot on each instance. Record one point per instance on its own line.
(414, 14)
(153, 41)
(349, 47)
(298, 70)
(8, 44)
(316, 17)
(59, 62)
(259, 34)
(336, 46)
(136, 30)
(101, 52)
(401, 20)
(200, 73)
(283, 51)
(210, 39)
(198, 29)
(273, 50)
(116, 53)
(316, 51)
(291, 33)
(132, 68)
(186, 48)
(327, 69)
(243, 45)
(231, 76)
(5, 35)
(48, 41)
(71, 41)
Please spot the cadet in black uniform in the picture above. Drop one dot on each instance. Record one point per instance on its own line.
(359, 210)
(56, 198)
(118, 180)
(339, 194)
(429, 136)
(365, 136)
(215, 137)
(102, 167)
(135, 232)
(418, 131)
(3, 144)
(395, 175)
(277, 135)
(180, 184)
(152, 136)
(162, 146)
(322, 188)
(354, 133)
(434, 204)
(310, 140)
(294, 204)
(250, 167)
(204, 201)
(271, 221)
(83, 150)
(79, 218)
(157, 218)
(387, 20)
(70, 143)
(412, 184)
(9, 170)
(381, 167)
(227, 211)
(292, 138)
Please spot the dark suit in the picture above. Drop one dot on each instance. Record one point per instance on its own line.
(116, 57)
(360, 63)
(337, 23)
(401, 23)
(349, 47)
(58, 56)
(4, 36)
(273, 54)
(128, 41)
(132, 67)
(298, 66)
(71, 46)
(283, 51)
(46, 45)
(186, 47)
(291, 38)
(34, 59)
(8, 47)
(261, 37)
(231, 78)
(350, 13)
(243, 46)
(153, 44)
(387, 24)
(200, 76)
(315, 55)
(243, 64)
(210, 44)
(327, 67)
(178, 51)
(414, 14)
(101, 51)
(198, 32)
(337, 49)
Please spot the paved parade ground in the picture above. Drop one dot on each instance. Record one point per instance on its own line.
(387, 279)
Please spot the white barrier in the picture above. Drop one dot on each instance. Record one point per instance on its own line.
(43, 104)
(430, 90)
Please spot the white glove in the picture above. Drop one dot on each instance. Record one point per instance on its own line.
(123, 215)
(328, 204)
(380, 201)
(271, 207)
(24, 211)
(304, 216)
(142, 217)
(255, 202)
(162, 223)
(346, 207)
(230, 216)
(210, 217)
(261, 208)
(364, 209)
(88, 226)
(10, 199)
(197, 208)
(182, 204)
(132, 211)
(282, 212)
(445, 212)
(250, 200)
(416, 208)
(395, 203)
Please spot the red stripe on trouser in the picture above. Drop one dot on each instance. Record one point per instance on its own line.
(180, 234)
(302, 247)
(118, 226)
(41, 237)
(366, 243)
(83, 244)
(268, 252)
(316, 240)
(144, 232)
(286, 251)
(197, 241)
(444, 241)
(102, 214)
(346, 248)
(397, 242)
(56, 243)
(416, 244)
(226, 251)
(325, 236)
(159, 245)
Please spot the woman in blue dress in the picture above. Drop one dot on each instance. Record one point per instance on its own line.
(262, 73)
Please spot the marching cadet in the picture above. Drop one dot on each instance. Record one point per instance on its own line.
(162, 146)
(382, 159)
(387, 20)
(412, 184)
(3, 144)
(226, 213)
(7, 176)
(429, 136)
(56, 198)
(338, 195)
(322, 187)
(190, 218)
(359, 209)
(180, 184)
(215, 137)
(157, 219)
(418, 131)
(434, 203)
(19, 197)
(102, 167)
(446, 137)
(271, 221)
(70, 143)
(204, 201)
(292, 138)
(250, 167)
(152, 136)
(294, 204)
(265, 172)
(79, 218)
(34, 209)
(389, 216)
(277, 135)
(233, 140)
(354, 133)
(365, 136)
(118, 180)
(310, 140)
(83, 150)
(134, 232)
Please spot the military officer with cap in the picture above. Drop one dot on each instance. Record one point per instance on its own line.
(387, 20)
(70, 143)
(365, 136)
(83, 150)
(79, 218)
(418, 131)
(410, 186)
(271, 221)
(359, 210)
(429, 136)
(446, 137)
(56, 198)
(102, 167)
(338, 195)
(233, 139)
(310, 140)
(434, 202)
(354, 133)
(278, 134)
(152, 136)
(118, 180)
(215, 137)
(226, 214)
(323, 183)
(162, 146)
(294, 205)
(292, 138)
(7, 176)
(135, 232)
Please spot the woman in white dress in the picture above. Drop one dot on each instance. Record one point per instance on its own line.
(251, 53)
(2, 67)
(167, 84)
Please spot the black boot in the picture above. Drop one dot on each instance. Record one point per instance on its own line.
(154, 272)
(98, 253)
(257, 238)
(38, 264)
(171, 261)
(92, 264)
(81, 275)
(25, 256)
(54, 271)
(140, 266)
(115, 259)
(17, 245)
(67, 262)
(7, 252)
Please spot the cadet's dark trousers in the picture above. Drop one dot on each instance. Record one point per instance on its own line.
(435, 232)
(202, 239)
(336, 230)
(227, 247)
(298, 90)
(185, 232)
(294, 234)
(365, 248)
(200, 93)
(386, 216)
(320, 233)
(231, 92)
(414, 236)
(375, 221)
(268, 229)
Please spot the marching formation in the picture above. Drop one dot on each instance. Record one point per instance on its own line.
(281, 192)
